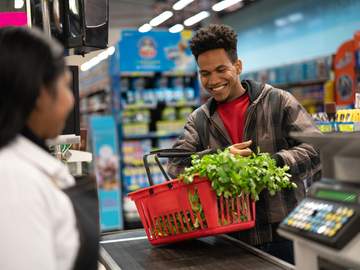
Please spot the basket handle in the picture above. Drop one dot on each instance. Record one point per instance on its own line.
(163, 153)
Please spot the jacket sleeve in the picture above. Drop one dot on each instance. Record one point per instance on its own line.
(302, 158)
(188, 141)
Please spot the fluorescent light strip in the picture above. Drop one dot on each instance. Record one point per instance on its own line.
(179, 5)
(196, 18)
(111, 50)
(161, 18)
(145, 28)
(176, 28)
(224, 4)
(98, 58)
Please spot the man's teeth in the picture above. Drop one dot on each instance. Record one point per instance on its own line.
(218, 88)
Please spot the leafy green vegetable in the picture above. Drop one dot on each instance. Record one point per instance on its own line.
(232, 175)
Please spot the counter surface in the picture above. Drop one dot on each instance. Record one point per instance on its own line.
(131, 250)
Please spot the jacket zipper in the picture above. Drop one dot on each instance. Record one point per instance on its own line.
(248, 115)
(220, 130)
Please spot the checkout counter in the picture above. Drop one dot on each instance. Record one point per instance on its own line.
(325, 226)
(131, 250)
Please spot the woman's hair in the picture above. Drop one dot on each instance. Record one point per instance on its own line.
(215, 36)
(28, 61)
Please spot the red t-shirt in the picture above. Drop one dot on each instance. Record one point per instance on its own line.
(233, 116)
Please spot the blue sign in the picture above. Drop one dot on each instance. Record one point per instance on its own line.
(105, 151)
(155, 51)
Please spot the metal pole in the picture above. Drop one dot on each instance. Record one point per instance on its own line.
(46, 17)
(28, 12)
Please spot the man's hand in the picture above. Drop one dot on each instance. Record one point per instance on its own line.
(241, 149)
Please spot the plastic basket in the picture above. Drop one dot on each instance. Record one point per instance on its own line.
(174, 211)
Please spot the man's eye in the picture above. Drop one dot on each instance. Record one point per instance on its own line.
(221, 70)
(204, 74)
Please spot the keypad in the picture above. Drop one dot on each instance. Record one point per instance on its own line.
(319, 217)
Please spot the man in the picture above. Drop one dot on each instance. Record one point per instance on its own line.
(244, 115)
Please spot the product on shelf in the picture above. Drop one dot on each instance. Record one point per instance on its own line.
(184, 113)
(169, 114)
(345, 121)
(136, 116)
(168, 127)
(135, 129)
(347, 73)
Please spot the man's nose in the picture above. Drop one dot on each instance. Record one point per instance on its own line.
(213, 79)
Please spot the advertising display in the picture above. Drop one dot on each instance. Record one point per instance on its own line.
(345, 77)
(155, 51)
(105, 151)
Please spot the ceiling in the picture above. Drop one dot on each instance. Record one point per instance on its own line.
(134, 13)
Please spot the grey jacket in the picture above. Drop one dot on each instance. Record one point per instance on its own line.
(272, 114)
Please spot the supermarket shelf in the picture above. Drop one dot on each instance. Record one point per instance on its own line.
(151, 74)
(151, 135)
(93, 92)
(302, 83)
(167, 104)
(179, 73)
(182, 104)
(139, 106)
(137, 74)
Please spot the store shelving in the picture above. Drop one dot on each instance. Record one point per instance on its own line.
(305, 80)
(319, 81)
(153, 108)
(94, 88)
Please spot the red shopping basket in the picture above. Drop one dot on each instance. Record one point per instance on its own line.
(174, 211)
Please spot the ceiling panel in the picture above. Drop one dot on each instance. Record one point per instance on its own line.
(134, 13)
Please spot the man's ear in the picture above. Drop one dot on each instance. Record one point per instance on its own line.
(238, 66)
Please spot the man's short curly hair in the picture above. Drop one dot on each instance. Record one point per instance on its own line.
(212, 37)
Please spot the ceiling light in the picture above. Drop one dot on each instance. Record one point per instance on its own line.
(196, 18)
(224, 4)
(176, 28)
(145, 28)
(161, 18)
(19, 4)
(295, 17)
(97, 59)
(281, 22)
(179, 5)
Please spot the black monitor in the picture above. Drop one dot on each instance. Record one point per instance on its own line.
(73, 122)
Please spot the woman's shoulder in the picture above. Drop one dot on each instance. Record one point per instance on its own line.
(24, 181)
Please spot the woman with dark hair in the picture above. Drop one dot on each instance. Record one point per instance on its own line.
(40, 226)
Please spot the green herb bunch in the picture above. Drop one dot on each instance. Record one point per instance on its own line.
(232, 175)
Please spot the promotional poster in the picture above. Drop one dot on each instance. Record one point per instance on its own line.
(344, 65)
(156, 51)
(105, 151)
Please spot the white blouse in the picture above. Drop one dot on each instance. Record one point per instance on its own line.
(38, 225)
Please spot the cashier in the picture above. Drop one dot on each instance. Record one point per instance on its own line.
(244, 115)
(41, 226)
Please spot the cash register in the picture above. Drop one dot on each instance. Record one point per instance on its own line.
(325, 226)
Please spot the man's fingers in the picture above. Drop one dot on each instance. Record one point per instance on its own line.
(242, 152)
(245, 152)
(243, 145)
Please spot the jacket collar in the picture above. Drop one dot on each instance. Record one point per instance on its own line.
(38, 157)
(253, 88)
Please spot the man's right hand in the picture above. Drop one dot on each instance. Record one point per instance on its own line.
(241, 149)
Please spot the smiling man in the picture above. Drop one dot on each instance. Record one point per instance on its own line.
(244, 115)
